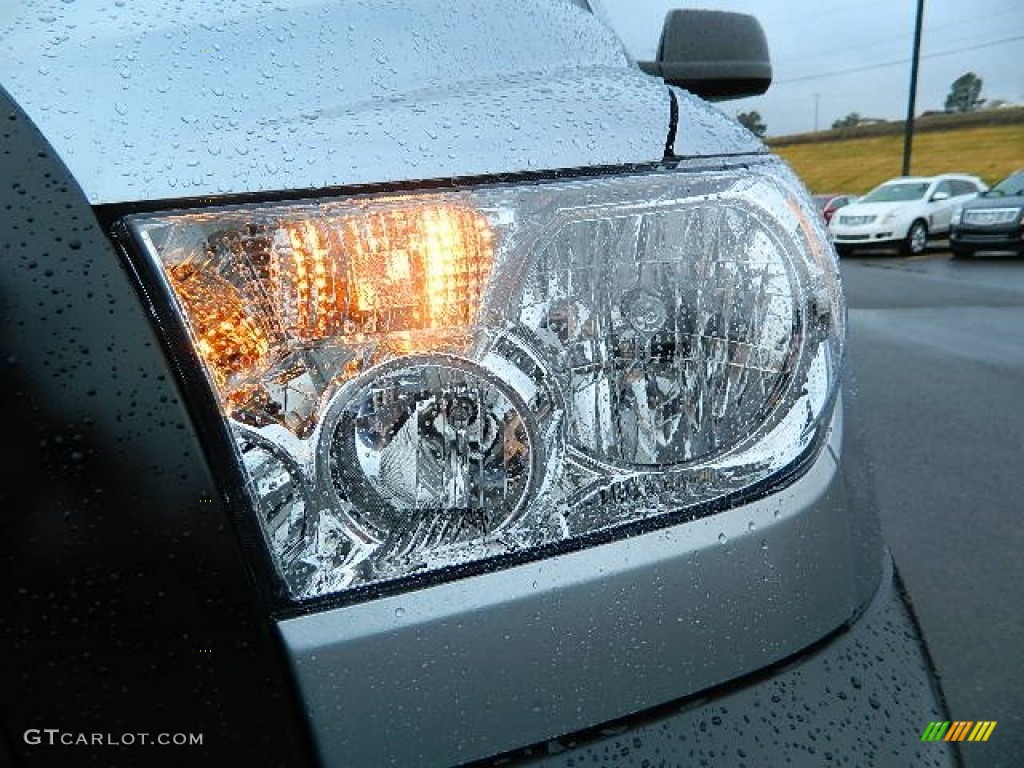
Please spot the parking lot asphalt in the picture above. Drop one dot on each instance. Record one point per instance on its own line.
(936, 348)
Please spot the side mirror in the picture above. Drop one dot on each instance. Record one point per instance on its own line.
(938, 196)
(717, 55)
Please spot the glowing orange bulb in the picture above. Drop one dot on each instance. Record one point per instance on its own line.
(227, 337)
(306, 287)
(424, 267)
(411, 279)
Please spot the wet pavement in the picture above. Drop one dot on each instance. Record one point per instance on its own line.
(937, 349)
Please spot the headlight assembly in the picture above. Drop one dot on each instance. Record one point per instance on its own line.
(423, 380)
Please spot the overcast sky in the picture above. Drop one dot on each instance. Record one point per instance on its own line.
(814, 44)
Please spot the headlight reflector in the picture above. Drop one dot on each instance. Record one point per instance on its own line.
(668, 350)
(431, 448)
(425, 380)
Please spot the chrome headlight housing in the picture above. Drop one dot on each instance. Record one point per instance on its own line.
(420, 381)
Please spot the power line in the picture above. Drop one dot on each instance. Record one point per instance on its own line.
(932, 28)
(893, 63)
(801, 18)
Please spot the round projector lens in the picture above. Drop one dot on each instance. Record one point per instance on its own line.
(429, 452)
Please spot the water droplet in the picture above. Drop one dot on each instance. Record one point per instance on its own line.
(399, 613)
(722, 538)
(121, 107)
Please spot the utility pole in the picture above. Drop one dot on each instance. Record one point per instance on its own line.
(908, 126)
(816, 97)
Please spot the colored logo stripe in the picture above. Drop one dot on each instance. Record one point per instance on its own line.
(982, 731)
(935, 731)
(959, 730)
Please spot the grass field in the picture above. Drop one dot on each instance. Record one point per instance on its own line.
(857, 165)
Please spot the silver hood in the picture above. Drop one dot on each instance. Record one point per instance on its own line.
(189, 98)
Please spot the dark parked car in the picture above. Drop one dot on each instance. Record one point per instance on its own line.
(994, 221)
(829, 204)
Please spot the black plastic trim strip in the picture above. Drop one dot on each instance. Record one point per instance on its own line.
(673, 124)
(933, 669)
(109, 213)
(213, 430)
(126, 603)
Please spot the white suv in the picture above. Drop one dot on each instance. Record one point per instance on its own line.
(903, 212)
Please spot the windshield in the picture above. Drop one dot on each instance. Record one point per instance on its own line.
(1011, 186)
(895, 193)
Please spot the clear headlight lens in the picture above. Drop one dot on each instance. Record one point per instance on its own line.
(418, 381)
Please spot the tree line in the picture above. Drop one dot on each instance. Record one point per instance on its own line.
(964, 96)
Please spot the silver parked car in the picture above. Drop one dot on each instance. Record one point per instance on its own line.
(420, 383)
